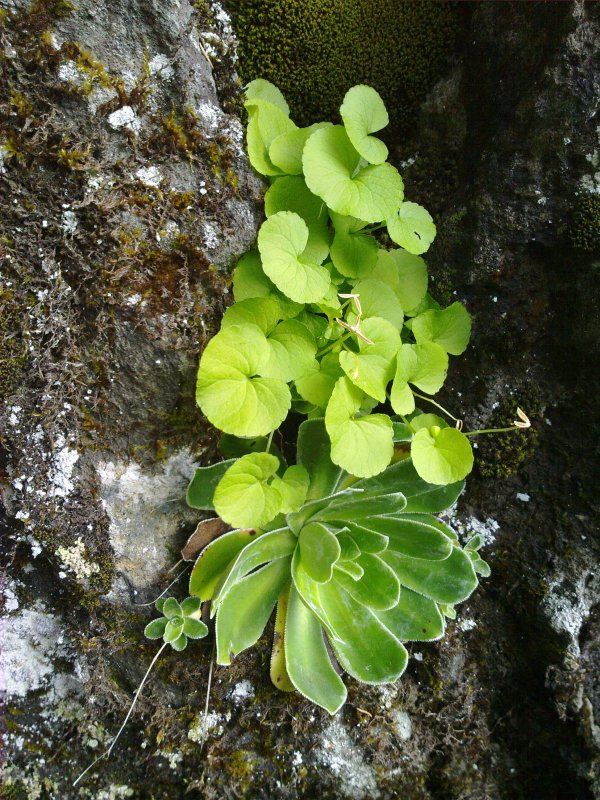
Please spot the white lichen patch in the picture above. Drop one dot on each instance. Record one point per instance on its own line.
(338, 753)
(567, 604)
(242, 692)
(210, 116)
(145, 511)
(160, 67)
(30, 640)
(402, 724)
(150, 176)
(60, 473)
(74, 559)
(469, 526)
(211, 237)
(124, 117)
(69, 222)
(523, 497)
(466, 624)
(215, 725)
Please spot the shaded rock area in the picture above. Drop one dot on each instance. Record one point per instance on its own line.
(126, 198)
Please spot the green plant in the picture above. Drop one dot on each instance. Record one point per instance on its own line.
(330, 324)
(325, 318)
(355, 567)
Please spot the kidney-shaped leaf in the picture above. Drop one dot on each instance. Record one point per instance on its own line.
(316, 384)
(450, 328)
(372, 367)
(330, 162)
(266, 122)
(228, 390)
(378, 299)
(363, 445)
(286, 150)
(405, 273)
(292, 194)
(363, 112)
(244, 497)
(261, 89)
(441, 456)
(412, 228)
(282, 240)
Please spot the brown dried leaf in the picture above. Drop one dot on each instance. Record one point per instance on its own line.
(206, 531)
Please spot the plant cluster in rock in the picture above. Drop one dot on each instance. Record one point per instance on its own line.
(327, 323)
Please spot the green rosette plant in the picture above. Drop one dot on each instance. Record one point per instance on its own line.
(355, 567)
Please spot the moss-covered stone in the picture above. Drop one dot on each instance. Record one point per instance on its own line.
(315, 50)
(585, 227)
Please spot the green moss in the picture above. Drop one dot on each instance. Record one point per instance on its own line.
(585, 227)
(12, 350)
(500, 455)
(315, 50)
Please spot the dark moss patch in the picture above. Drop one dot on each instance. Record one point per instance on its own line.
(585, 227)
(315, 51)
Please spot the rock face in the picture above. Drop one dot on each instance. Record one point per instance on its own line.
(126, 199)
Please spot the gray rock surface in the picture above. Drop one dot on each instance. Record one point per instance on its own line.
(126, 199)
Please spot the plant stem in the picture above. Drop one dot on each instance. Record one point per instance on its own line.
(433, 402)
(269, 440)
(491, 430)
(107, 753)
(328, 347)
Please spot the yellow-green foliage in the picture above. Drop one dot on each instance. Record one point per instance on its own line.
(585, 229)
(315, 50)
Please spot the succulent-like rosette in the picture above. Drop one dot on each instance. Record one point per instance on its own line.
(354, 567)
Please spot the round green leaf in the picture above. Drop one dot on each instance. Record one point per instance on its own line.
(260, 89)
(331, 170)
(412, 228)
(373, 366)
(405, 273)
(363, 446)
(261, 311)
(423, 365)
(441, 456)
(227, 389)
(378, 300)
(450, 328)
(353, 254)
(293, 488)
(266, 122)
(319, 551)
(363, 112)
(293, 350)
(244, 498)
(317, 382)
(286, 150)
(292, 194)
(282, 240)
(249, 281)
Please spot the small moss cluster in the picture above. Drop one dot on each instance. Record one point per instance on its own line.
(315, 50)
(499, 456)
(585, 227)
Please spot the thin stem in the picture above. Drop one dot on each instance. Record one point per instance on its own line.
(433, 402)
(164, 591)
(328, 347)
(491, 430)
(269, 440)
(107, 753)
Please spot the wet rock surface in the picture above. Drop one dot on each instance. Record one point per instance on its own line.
(126, 199)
